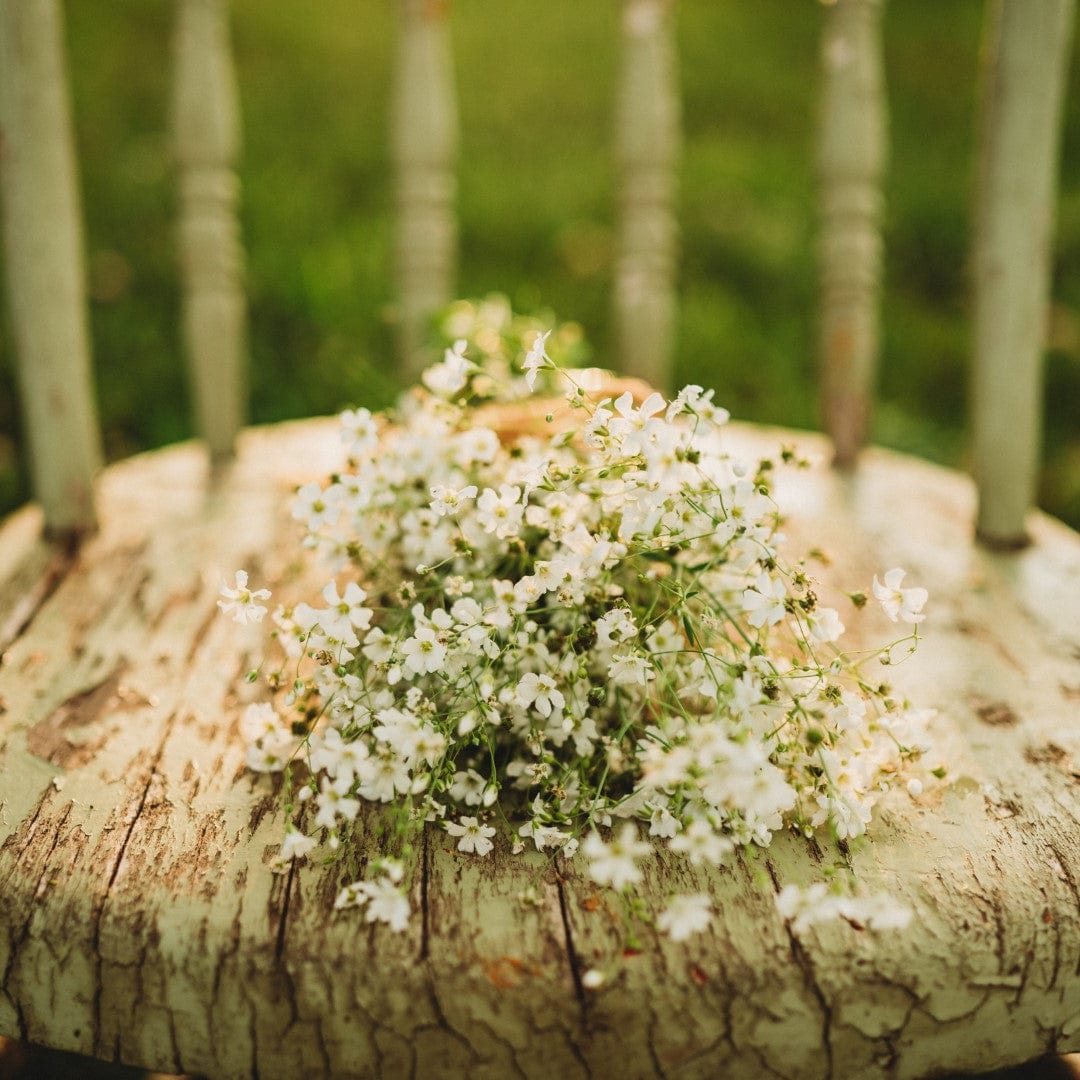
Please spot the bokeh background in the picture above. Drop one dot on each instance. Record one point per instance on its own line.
(536, 206)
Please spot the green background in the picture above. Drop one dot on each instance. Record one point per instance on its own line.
(536, 203)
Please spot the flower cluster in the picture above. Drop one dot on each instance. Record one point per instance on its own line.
(584, 629)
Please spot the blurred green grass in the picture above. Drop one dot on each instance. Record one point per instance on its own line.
(535, 84)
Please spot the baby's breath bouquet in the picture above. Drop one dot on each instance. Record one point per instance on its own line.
(559, 608)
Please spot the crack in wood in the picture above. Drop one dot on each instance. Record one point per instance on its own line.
(374, 1026)
(1074, 888)
(25, 611)
(279, 936)
(20, 939)
(571, 951)
(27, 834)
(97, 913)
(806, 966)
(425, 877)
(658, 1068)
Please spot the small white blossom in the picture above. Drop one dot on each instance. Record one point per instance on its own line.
(315, 507)
(468, 787)
(701, 843)
(359, 431)
(536, 358)
(346, 613)
(295, 846)
(446, 501)
(818, 903)
(540, 692)
(260, 720)
(423, 653)
(388, 903)
(825, 624)
(474, 837)
(500, 512)
(627, 669)
(906, 604)
(449, 377)
(244, 604)
(684, 916)
(663, 823)
(614, 863)
(764, 602)
(271, 753)
(334, 802)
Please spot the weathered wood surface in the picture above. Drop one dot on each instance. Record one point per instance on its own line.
(140, 921)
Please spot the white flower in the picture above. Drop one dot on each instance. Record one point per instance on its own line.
(241, 602)
(626, 669)
(666, 638)
(825, 624)
(804, 907)
(382, 777)
(378, 646)
(447, 501)
(879, 912)
(764, 601)
(345, 614)
(906, 604)
(615, 627)
(334, 802)
(388, 903)
(359, 431)
(592, 979)
(260, 720)
(500, 513)
(845, 810)
(315, 507)
(447, 378)
(474, 836)
(295, 846)
(700, 841)
(536, 358)
(271, 753)
(685, 915)
(663, 823)
(423, 653)
(600, 620)
(613, 864)
(818, 903)
(468, 787)
(339, 758)
(541, 692)
(385, 899)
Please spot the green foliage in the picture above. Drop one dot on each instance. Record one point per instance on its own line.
(536, 206)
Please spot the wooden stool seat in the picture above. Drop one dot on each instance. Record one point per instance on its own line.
(141, 921)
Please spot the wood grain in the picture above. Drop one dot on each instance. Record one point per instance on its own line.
(141, 922)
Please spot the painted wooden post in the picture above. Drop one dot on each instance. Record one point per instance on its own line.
(851, 160)
(207, 144)
(43, 252)
(1028, 46)
(424, 147)
(647, 149)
